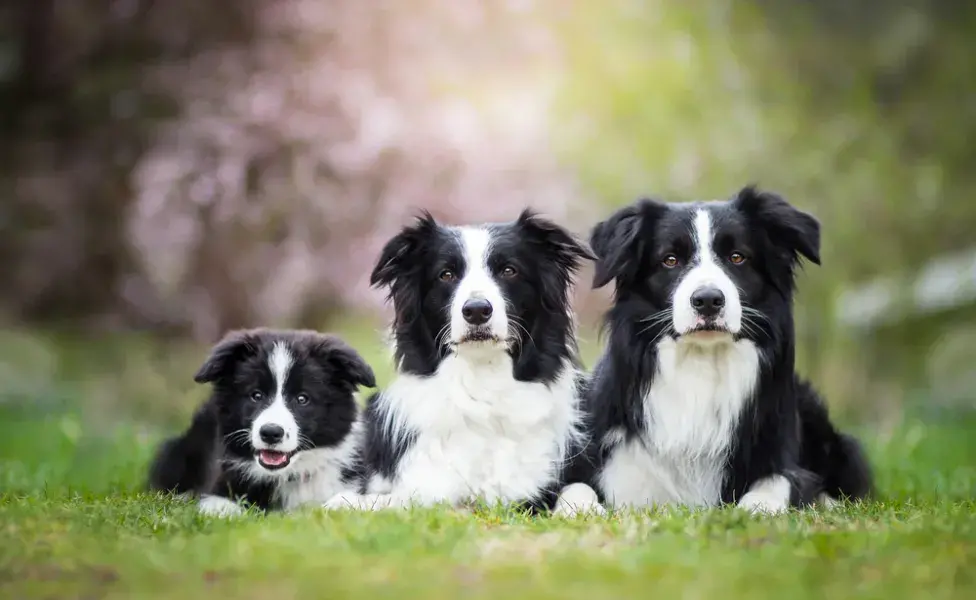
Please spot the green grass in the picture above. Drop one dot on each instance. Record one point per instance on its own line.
(75, 436)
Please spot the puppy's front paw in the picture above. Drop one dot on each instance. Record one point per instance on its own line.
(576, 499)
(825, 502)
(217, 506)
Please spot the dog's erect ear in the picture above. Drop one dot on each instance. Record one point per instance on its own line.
(347, 365)
(399, 251)
(555, 240)
(787, 226)
(235, 346)
(619, 241)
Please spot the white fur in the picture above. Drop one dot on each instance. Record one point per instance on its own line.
(313, 476)
(770, 495)
(576, 499)
(691, 412)
(279, 362)
(217, 506)
(477, 283)
(707, 272)
(481, 435)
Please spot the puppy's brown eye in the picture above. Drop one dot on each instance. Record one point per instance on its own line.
(257, 396)
(302, 399)
(446, 275)
(670, 261)
(509, 271)
(737, 259)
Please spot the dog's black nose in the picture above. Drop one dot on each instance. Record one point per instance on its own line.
(271, 433)
(708, 302)
(476, 312)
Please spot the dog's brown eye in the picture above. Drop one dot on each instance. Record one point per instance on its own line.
(302, 399)
(509, 271)
(257, 396)
(446, 275)
(670, 261)
(737, 259)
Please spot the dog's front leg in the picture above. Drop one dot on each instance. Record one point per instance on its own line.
(769, 495)
(578, 498)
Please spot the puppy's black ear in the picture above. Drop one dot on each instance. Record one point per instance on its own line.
(556, 241)
(619, 242)
(235, 346)
(787, 227)
(346, 364)
(399, 252)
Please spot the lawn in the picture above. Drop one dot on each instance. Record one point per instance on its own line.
(77, 425)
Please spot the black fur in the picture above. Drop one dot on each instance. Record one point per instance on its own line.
(785, 428)
(210, 459)
(546, 257)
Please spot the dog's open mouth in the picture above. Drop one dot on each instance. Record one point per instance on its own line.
(273, 459)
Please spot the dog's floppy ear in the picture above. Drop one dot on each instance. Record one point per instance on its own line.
(347, 364)
(559, 243)
(235, 346)
(619, 241)
(787, 226)
(398, 253)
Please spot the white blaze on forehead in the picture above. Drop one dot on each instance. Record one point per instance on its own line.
(477, 282)
(703, 238)
(705, 271)
(280, 362)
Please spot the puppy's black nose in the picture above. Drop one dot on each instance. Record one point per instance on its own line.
(271, 433)
(708, 301)
(476, 312)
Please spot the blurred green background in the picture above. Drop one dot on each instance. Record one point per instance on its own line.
(171, 170)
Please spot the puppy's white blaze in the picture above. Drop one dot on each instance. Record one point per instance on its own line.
(477, 283)
(706, 272)
(770, 495)
(279, 362)
(218, 506)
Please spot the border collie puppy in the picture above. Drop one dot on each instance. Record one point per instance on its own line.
(280, 430)
(485, 404)
(695, 401)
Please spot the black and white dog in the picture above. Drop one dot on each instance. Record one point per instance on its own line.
(281, 429)
(485, 404)
(695, 401)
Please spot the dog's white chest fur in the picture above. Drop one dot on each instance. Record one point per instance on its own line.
(480, 434)
(318, 477)
(691, 411)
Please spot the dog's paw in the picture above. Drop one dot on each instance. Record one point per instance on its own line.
(354, 501)
(761, 505)
(343, 500)
(768, 496)
(217, 506)
(825, 502)
(576, 499)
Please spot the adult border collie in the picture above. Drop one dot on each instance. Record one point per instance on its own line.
(485, 404)
(695, 400)
(280, 430)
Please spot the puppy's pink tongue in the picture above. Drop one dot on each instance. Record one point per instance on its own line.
(270, 457)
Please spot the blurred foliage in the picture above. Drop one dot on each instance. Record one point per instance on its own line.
(173, 166)
(861, 113)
